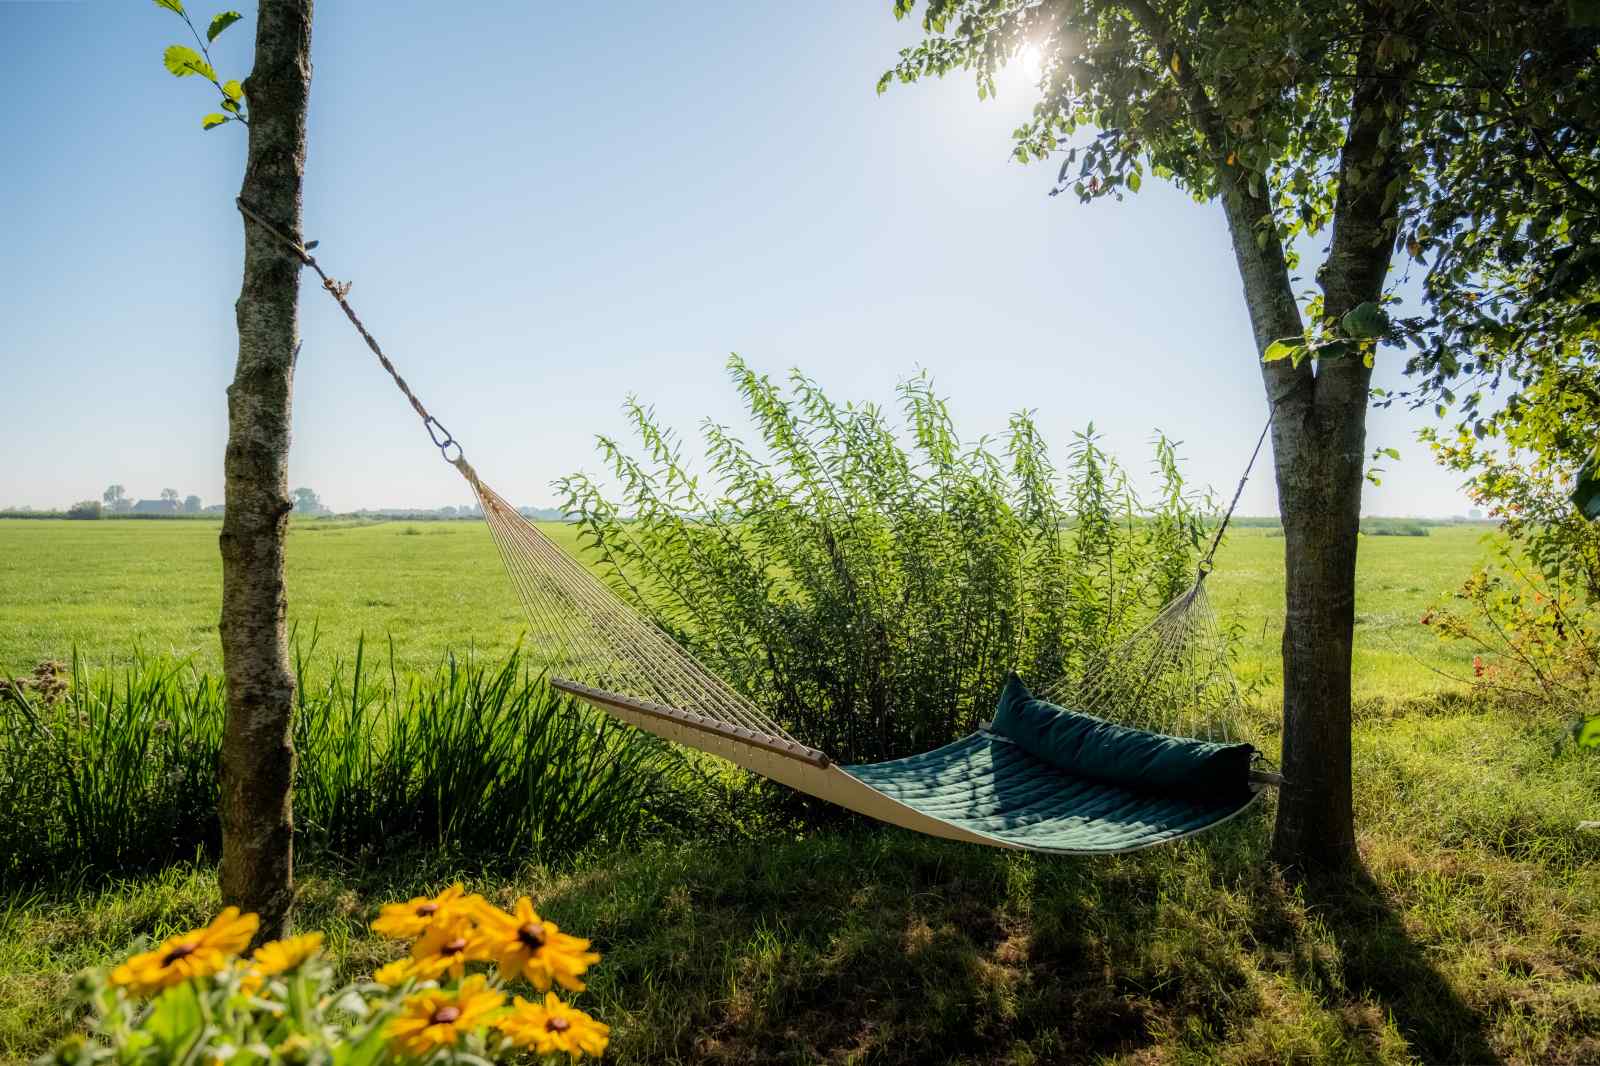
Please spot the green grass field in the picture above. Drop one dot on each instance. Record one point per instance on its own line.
(105, 587)
(1472, 935)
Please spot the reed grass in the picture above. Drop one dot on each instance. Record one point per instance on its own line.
(478, 757)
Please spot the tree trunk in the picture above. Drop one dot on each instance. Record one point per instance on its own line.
(1318, 437)
(1317, 450)
(1319, 425)
(257, 745)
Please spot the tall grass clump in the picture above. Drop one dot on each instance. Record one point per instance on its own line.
(120, 773)
(870, 581)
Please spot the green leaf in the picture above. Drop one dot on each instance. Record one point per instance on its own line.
(175, 1019)
(1589, 734)
(1586, 491)
(883, 82)
(1287, 348)
(182, 61)
(1133, 180)
(229, 106)
(221, 21)
(233, 90)
(213, 120)
(1390, 452)
(174, 6)
(1365, 322)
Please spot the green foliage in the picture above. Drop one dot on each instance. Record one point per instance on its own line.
(221, 21)
(121, 773)
(1365, 322)
(1508, 230)
(1393, 527)
(1586, 487)
(1523, 479)
(1537, 640)
(182, 61)
(872, 583)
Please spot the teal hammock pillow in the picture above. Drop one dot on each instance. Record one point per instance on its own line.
(1102, 751)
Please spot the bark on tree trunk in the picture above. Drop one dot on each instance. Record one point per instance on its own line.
(257, 748)
(1318, 436)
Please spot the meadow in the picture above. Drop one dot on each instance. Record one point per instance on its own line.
(106, 589)
(1471, 936)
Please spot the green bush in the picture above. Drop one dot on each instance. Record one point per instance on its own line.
(119, 774)
(870, 583)
(1394, 527)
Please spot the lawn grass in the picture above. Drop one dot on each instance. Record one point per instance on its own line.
(1473, 934)
(106, 587)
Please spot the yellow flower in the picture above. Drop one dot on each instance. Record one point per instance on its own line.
(523, 943)
(552, 1027)
(446, 947)
(251, 982)
(278, 956)
(281, 956)
(437, 1019)
(395, 973)
(197, 953)
(403, 921)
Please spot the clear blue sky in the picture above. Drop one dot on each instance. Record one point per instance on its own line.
(545, 207)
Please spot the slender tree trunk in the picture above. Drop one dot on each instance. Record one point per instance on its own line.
(257, 747)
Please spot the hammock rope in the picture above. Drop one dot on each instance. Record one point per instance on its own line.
(1170, 677)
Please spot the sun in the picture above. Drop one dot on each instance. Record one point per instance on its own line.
(1031, 57)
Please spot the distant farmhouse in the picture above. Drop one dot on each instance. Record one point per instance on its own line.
(156, 507)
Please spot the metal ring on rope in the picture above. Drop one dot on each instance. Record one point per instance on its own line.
(435, 428)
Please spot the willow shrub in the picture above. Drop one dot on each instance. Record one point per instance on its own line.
(871, 581)
(478, 757)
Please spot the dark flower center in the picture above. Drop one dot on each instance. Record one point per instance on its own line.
(444, 1015)
(182, 951)
(558, 1025)
(454, 947)
(531, 934)
(427, 910)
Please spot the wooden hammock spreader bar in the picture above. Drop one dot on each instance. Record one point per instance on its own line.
(776, 745)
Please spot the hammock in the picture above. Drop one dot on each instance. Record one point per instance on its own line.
(1038, 777)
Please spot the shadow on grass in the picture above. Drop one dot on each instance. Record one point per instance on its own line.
(883, 947)
(871, 946)
(1381, 961)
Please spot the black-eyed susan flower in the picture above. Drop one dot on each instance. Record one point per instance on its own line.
(524, 944)
(278, 956)
(446, 947)
(404, 921)
(434, 1019)
(552, 1027)
(281, 956)
(394, 974)
(197, 953)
